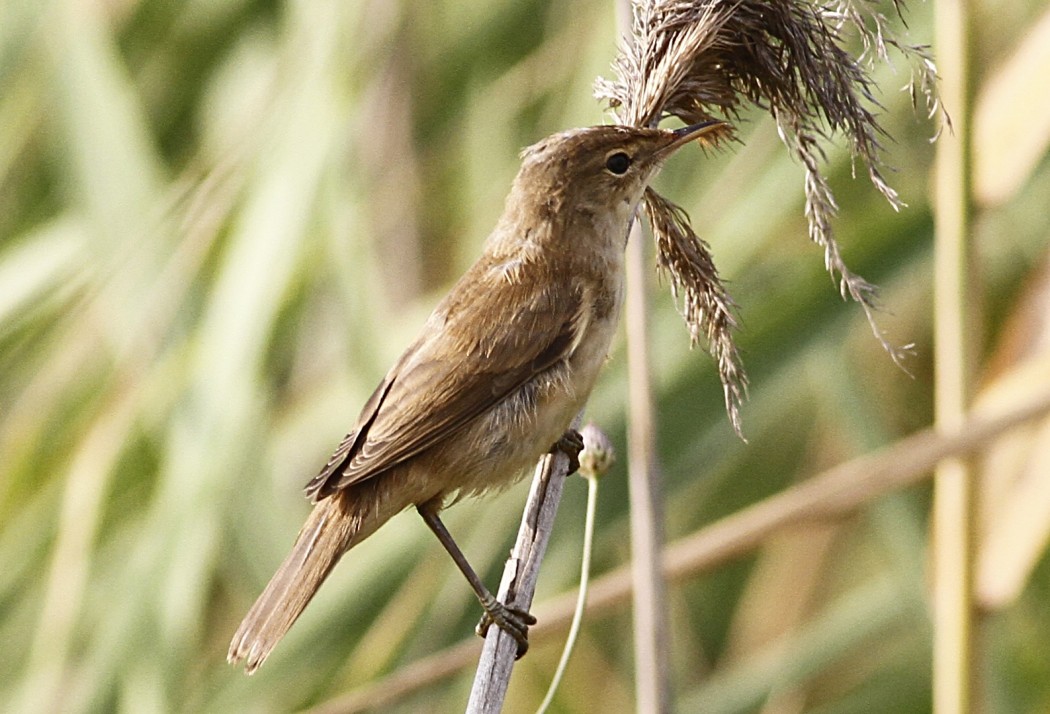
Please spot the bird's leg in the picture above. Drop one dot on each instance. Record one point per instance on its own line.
(514, 621)
(570, 444)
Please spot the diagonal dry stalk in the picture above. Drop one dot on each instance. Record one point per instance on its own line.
(831, 494)
(695, 59)
(518, 585)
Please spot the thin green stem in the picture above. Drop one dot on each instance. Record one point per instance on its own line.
(581, 599)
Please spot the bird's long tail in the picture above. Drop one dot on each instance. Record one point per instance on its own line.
(324, 537)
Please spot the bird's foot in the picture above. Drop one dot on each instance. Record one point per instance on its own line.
(570, 444)
(514, 621)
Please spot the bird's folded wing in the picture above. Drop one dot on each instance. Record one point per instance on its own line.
(486, 350)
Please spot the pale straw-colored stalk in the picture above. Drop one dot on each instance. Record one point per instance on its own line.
(954, 507)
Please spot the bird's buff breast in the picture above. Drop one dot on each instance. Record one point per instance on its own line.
(496, 449)
(512, 437)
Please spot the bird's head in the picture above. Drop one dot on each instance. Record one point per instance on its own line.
(600, 169)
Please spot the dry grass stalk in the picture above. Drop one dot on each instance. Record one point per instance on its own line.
(696, 59)
(834, 493)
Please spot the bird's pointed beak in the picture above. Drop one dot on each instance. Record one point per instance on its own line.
(690, 133)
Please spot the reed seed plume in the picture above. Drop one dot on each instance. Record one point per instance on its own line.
(700, 59)
(706, 306)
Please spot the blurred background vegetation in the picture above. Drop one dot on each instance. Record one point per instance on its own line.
(221, 220)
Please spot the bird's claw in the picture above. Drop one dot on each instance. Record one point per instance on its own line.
(514, 621)
(570, 444)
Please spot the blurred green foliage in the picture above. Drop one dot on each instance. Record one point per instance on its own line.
(220, 220)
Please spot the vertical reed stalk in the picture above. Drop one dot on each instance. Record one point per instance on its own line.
(953, 509)
(652, 688)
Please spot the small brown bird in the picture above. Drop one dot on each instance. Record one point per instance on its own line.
(501, 367)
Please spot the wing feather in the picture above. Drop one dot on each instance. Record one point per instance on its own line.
(475, 351)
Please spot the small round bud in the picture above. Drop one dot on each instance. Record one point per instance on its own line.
(598, 454)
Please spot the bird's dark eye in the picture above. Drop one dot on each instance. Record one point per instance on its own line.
(618, 163)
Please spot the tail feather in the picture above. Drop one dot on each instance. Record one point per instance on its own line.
(324, 537)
